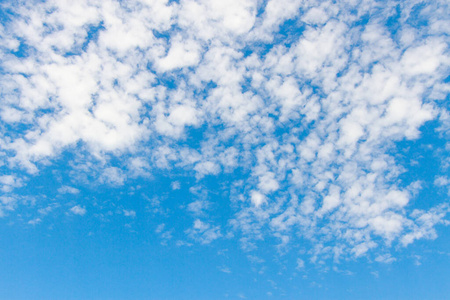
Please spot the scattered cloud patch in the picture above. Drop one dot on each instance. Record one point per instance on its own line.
(176, 185)
(129, 213)
(9, 182)
(78, 210)
(203, 232)
(68, 190)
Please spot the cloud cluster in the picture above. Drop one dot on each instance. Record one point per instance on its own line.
(307, 98)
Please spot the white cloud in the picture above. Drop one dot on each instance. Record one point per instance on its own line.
(7, 203)
(68, 190)
(35, 221)
(129, 213)
(165, 234)
(332, 200)
(424, 59)
(206, 168)
(203, 232)
(386, 258)
(442, 181)
(181, 54)
(113, 176)
(276, 12)
(257, 198)
(225, 270)
(139, 166)
(300, 264)
(176, 185)
(217, 19)
(267, 182)
(78, 210)
(198, 207)
(9, 182)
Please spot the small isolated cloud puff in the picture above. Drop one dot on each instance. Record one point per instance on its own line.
(175, 185)
(129, 213)
(300, 264)
(68, 190)
(78, 210)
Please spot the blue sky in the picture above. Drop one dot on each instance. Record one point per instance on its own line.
(241, 149)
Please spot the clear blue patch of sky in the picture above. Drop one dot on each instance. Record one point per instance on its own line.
(422, 159)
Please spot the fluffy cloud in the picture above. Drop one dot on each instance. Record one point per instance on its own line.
(78, 210)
